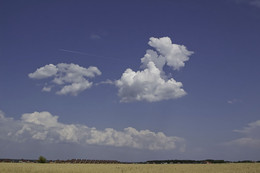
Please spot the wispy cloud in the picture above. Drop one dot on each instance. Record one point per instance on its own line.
(72, 78)
(255, 3)
(43, 126)
(234, 101)
(250, 138)
(90, 54)
(108, 81)
(95, 37)
(81, 53)
(152, 84)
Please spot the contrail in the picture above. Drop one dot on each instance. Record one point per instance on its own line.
(88, 54)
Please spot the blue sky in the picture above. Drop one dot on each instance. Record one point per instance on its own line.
(191, 90)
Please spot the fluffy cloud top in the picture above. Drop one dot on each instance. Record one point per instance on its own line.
(151, 83)
(251, 136)
(44, 72)
(45, 126)
(147, 85)
(175, 55)
(71, 77)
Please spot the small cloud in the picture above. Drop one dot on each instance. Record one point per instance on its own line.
(75, 88)
(108, 81)
(229, 101)
(95, 37)
(44, 72)
(175, 55)
(46, 89)
(234, 101)
(72, 78)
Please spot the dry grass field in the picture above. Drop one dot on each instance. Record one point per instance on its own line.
(129, 168)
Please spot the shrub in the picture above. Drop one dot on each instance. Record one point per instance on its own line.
(42, 159)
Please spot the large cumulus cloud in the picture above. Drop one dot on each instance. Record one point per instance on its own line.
(147, 85)
(150, 83)
(43, 126)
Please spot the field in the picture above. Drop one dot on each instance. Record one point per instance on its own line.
(130, 168)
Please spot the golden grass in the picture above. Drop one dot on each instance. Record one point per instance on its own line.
(129, 168)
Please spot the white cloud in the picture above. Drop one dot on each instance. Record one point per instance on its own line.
(251, 136)
(130, 137)
(40, 118)
(174, 54)
(44, 72)
(151, 84)
(71, 73)
(72, 78)
(46, 127)
(75, 88)
(147, 85)
(152, 56)
(108, 81)
(46, 88)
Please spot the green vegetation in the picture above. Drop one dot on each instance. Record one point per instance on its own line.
(42, 159)
(130, 168)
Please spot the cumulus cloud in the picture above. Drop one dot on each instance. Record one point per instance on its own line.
(174, 54)
(44, 72)
(151, 84)
(46, 88)
(46, 127)
(251, 136)
(72, 78)
(75, 88)
(147, 85)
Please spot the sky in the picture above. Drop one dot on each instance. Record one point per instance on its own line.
(130, 80)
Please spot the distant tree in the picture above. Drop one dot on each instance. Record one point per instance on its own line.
(42, 159)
